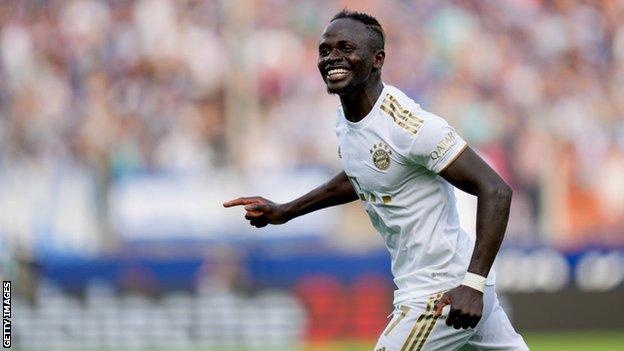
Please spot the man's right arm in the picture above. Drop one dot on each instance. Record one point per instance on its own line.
(261, 211)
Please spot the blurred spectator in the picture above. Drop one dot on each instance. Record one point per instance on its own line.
(118, 88)
(223, 272)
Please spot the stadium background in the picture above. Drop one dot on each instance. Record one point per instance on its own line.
(125, 124)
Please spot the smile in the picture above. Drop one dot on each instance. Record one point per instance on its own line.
(337, 74)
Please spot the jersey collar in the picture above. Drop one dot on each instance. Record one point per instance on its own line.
(366, 120)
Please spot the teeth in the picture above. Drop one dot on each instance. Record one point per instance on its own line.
(337, 71)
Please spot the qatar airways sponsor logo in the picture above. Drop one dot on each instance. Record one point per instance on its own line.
(444, 146)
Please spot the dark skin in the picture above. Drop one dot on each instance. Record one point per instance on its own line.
(347, 45)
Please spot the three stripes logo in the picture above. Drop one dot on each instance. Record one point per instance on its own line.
(401, 116)
(423, 326)
(403, 313)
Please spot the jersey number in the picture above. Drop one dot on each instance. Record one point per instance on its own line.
(362, 194)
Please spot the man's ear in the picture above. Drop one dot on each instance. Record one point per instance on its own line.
(378, 59)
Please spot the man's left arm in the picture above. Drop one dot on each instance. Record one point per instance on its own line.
(471, 174)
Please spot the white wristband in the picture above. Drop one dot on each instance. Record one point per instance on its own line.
(474, 281)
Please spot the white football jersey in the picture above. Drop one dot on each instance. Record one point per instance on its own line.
(393, 157)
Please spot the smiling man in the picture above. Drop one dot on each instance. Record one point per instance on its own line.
(402, 163)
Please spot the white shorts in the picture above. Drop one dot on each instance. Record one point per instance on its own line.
(413, 328)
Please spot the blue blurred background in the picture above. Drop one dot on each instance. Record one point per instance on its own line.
(125, 124)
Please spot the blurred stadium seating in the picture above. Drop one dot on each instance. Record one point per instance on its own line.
(125, 124)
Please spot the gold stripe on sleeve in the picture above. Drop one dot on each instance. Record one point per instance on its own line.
(404, 111)
(398, 120)
(401, 116)
(404, 114)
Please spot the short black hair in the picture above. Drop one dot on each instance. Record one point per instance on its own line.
(369, 21)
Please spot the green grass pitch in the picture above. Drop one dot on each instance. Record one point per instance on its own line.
(537, 341)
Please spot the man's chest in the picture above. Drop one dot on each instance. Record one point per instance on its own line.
(374, 166)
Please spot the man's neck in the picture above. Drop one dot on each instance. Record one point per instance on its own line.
(359, 103)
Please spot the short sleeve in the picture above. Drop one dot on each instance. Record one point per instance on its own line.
(436, 145)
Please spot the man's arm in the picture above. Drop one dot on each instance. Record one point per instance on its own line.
(261, 211)
(472, 175)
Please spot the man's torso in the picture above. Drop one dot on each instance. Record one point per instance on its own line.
(393, 157)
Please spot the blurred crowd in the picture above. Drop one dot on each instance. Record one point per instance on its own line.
(118, 88)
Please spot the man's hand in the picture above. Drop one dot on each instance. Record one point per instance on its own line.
(260, 211)
(466, 307)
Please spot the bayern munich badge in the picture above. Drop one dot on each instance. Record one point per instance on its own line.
(381, 155)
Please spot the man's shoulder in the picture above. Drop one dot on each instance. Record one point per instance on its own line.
(407, 115)
(402, 107)
(411, 125)
(401, 97)
(395, 97)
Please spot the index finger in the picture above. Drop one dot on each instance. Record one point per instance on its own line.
(241, 201)
(444, 301)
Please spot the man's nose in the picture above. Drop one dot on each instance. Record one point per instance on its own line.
(334, 55)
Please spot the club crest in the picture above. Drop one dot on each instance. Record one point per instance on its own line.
(381, 155)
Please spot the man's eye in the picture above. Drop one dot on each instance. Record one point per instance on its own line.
(323, 52)
(348, 48)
